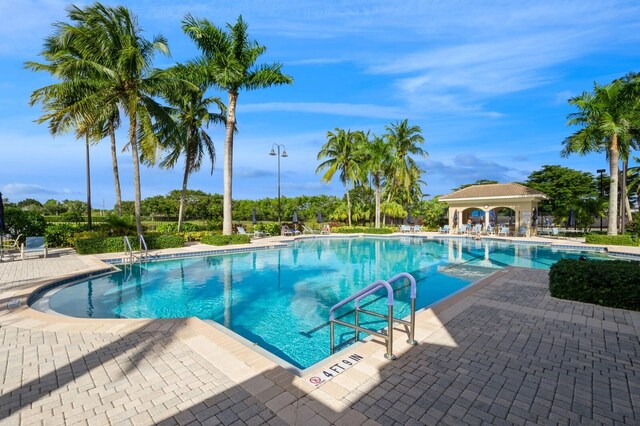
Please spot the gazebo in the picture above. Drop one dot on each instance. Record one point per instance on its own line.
(519, 198)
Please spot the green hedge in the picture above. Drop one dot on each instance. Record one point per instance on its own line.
(612, 240)
(361, 229)
(614, 283)
(225, 240)
(116, 244)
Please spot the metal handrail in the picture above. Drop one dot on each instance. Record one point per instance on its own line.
(367, 291)
(128, 249)
(412, 295)
(143, 244)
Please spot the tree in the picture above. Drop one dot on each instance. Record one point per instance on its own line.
(378, 157)
(563, 185)
(404, 173)
(605, 117)
(185, 134)
(230, 58)
(341, 154)
(117, 66)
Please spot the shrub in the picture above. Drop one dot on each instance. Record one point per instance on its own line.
(612, 240)
(27, 223)
(224, 240)
(172, 227)
(608, 283)
(271, 227)
(116, 244)
(62, 234)
(194, 236)
(362, 229)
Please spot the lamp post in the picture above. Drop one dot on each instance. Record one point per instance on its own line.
(284, 154)
(601, 171)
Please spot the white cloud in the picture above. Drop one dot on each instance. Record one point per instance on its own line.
(26, 190)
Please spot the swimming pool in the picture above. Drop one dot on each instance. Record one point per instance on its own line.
(279, 299)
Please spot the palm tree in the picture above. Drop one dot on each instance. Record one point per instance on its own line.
(230, 57)
(605, 118)
(377, 159)
(342, 155)
(114, 62)
(186, 133)
(405, 141)
(61, 100)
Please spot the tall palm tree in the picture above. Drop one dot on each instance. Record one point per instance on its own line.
(186, 134)
(405, 141)
(377, 160)
(230, 57)
(342, 155)
(65, 102)
(605, 119)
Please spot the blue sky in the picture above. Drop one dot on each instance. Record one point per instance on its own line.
(486, 80)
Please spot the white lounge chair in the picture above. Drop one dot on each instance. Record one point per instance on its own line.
(417, 228)
(504, 230)
(241, 231)
(444, 229)
(306, 230)
(285, 230)
(405, 228)
(33, 245)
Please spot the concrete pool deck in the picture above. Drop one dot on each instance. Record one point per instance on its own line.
(504, 352)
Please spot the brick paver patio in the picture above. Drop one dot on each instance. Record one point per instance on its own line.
(507, 353)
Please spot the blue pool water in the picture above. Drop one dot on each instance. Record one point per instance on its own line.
(280, 298)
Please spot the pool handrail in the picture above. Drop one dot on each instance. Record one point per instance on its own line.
(368, 290)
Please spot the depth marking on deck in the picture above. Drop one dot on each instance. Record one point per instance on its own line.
(334, 370)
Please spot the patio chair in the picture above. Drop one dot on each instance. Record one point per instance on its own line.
(285, 230)
(555, 232)
(444, 229)
(405, 228)
(307, 230)
(33, 245)
(417, 228)
(241, 231)
(461, 229)
(326, 229)
(478, 229)
(522, 232)
(490, 229)
(10, 247)
(504, 230)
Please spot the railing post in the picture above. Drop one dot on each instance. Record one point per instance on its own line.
(412, 327)
(357, 324)
(389, 354)
(331, 335)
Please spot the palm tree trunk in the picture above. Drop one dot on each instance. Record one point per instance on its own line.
(114, 162)
(623, 196)
(183, 194)
(227, 219)
(348, 208)
(614, 156)
(88, 183)
(133, 126)
(377, 204)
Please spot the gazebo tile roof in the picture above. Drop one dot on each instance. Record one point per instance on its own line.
(494, 190)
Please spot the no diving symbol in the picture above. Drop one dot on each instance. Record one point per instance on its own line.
(315, 380)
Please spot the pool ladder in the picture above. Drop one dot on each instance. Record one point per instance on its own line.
(130, 255)
(367, 291)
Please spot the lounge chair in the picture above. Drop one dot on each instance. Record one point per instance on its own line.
(306, 230)
(478, 229)
(504, 230)
(444, 229)
(490, 229)
(522, 232)
(33, 245)
(285, 230)
(417, 228)
(405, 228)
(241, 231)
(462, 229)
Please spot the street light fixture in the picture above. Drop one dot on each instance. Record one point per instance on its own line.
(284, 154)
(601, 171)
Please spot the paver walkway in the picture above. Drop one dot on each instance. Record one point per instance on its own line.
(507, 353)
